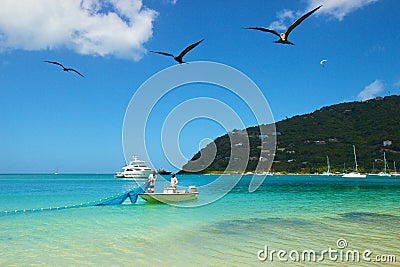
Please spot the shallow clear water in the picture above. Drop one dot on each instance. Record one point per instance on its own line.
(285, 213)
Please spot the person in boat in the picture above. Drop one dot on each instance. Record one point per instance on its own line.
(151, 180)
(174, 181)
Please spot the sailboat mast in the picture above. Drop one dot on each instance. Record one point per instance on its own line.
(355, 157)
(384, 162)
(327, 162)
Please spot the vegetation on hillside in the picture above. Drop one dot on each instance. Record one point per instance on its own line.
(303, 142)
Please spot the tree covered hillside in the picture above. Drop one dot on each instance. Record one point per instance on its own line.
(304, 141)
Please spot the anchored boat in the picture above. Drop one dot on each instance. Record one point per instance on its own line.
(384, 173)
(136, 169)
(171, 194)
(354, 174)
(163, 171)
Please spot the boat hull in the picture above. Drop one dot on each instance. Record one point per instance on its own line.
(327, 174)
(134, 175)
(168, 197)
(354, 175)
(163, 172)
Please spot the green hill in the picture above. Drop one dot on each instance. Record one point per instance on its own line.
(304, 141)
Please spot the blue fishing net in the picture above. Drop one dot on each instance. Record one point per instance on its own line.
(114, 200)
(132, 195)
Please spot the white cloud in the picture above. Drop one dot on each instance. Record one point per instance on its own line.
(92, 27)
(285, 17)
(338, 8)
(371, 90)
(397, 84)
(335, 8)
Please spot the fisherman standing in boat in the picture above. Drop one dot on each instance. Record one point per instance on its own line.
(174, 181)
(151, 180)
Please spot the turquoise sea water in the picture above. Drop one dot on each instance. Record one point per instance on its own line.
(290, 213)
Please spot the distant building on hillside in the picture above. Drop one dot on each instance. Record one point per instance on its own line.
(263, 136)
(320, 142)
(387, 143)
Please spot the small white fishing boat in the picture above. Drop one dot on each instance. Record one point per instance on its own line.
(171, 194)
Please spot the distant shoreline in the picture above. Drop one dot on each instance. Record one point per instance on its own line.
(63, 173)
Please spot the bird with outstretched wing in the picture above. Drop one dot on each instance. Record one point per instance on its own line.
(64, 68)
(283, 37)
(179, 58)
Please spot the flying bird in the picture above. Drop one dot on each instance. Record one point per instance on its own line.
(64, 68)
(179, 58)
(322, 62)
(283, 37)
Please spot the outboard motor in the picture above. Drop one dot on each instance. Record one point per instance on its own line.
(192, 189)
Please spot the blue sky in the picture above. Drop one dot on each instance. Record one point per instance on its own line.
(53, 120)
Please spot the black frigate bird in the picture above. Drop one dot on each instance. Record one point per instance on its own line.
(179, 58)
(64, 68)
(283, 37)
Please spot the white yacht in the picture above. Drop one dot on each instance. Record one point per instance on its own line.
(136, 169)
